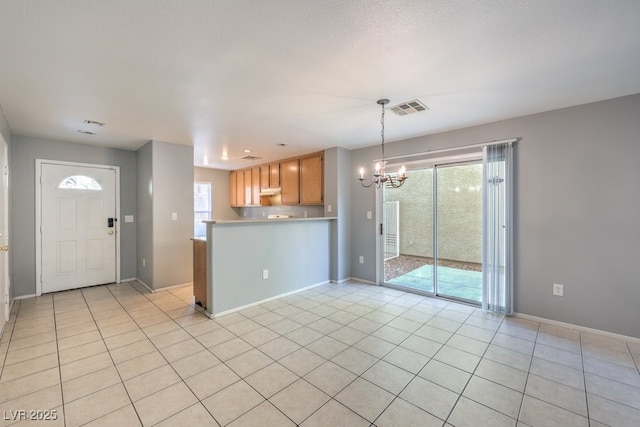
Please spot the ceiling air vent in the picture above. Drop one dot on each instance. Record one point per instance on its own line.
(409, 107)
(93, 123)
(250, 158)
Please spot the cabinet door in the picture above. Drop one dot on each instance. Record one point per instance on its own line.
(240, 188)
(311, 180)
(247, 187)
(274, 175)
(290, 182)
(264, 176)
(255, 186)
(233, 182)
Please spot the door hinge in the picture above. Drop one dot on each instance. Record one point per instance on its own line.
(380, 228)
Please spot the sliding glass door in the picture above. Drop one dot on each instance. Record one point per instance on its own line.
(458, 236)
(437, 239)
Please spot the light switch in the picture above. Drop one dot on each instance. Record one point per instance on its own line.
(368, 214)
(128, 218)
(174, 216)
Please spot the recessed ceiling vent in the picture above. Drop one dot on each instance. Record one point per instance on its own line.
(86, 132)
(93, 123)
(409, 107)
(250, 158)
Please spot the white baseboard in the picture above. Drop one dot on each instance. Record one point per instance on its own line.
(25, 296)
(368, 282)
(576, 327)
(129, 279)
(144, 284)
(166, 288)
(233, 310)
(348, 279)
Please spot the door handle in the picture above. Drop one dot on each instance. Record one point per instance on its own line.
(110, 232)
(4, 248)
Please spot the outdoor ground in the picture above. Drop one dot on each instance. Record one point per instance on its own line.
(403, 264)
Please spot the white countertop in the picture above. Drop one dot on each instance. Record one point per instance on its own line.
(255, 220)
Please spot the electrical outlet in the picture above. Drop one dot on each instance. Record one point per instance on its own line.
(361, 260)
(174, 216)
(265, 274)
(368, 214)
(305, 214)
(144, 262)
(558, 290)
(329, 208)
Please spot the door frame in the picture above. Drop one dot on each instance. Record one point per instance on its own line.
(5, 290)
(444, 160)
(38, 183)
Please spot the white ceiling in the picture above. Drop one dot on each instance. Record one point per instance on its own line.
(228, 75)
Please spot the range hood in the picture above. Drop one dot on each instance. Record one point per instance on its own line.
(270, 191)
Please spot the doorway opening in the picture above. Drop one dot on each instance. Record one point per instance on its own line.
(438, 232)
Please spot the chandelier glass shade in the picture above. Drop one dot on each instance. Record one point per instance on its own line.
(380, 177)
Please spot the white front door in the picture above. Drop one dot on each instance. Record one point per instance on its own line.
(4, 236)
(79, 226)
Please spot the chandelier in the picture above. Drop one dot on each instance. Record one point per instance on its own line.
(380, 177)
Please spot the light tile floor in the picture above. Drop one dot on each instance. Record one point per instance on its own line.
(348, 354)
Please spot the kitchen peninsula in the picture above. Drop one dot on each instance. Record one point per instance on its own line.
(250, 261)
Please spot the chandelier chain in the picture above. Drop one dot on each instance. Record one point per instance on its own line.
(380, 176)
(382, 133)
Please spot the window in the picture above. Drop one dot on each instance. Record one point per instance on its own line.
(79, 182)
(201, 207)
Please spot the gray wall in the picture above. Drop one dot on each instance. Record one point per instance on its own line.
(219, 180)
(23, 154)
(296, 253)
(145, 213)
(576, 209)
(337, 194)
(172, 192)
(4, 127)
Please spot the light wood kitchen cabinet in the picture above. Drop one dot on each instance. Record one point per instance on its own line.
(290, 182)
(255, 186)
(270, 175)
(247, 187)
(200, 271)
(236, 188)
(300, 179)
(274, 175)
(233, 182)
(311, 180)
(264, 176)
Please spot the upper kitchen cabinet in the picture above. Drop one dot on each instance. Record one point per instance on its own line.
(270, 176)
(247, 187)
(255, 186)
(299, 181)
(236, 188)
(312, 179)
(290, 181)
(274, 175)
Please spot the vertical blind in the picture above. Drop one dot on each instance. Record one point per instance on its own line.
(497, 228)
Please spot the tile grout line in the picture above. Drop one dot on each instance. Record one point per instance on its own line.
(584, 377)
(524, 390)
